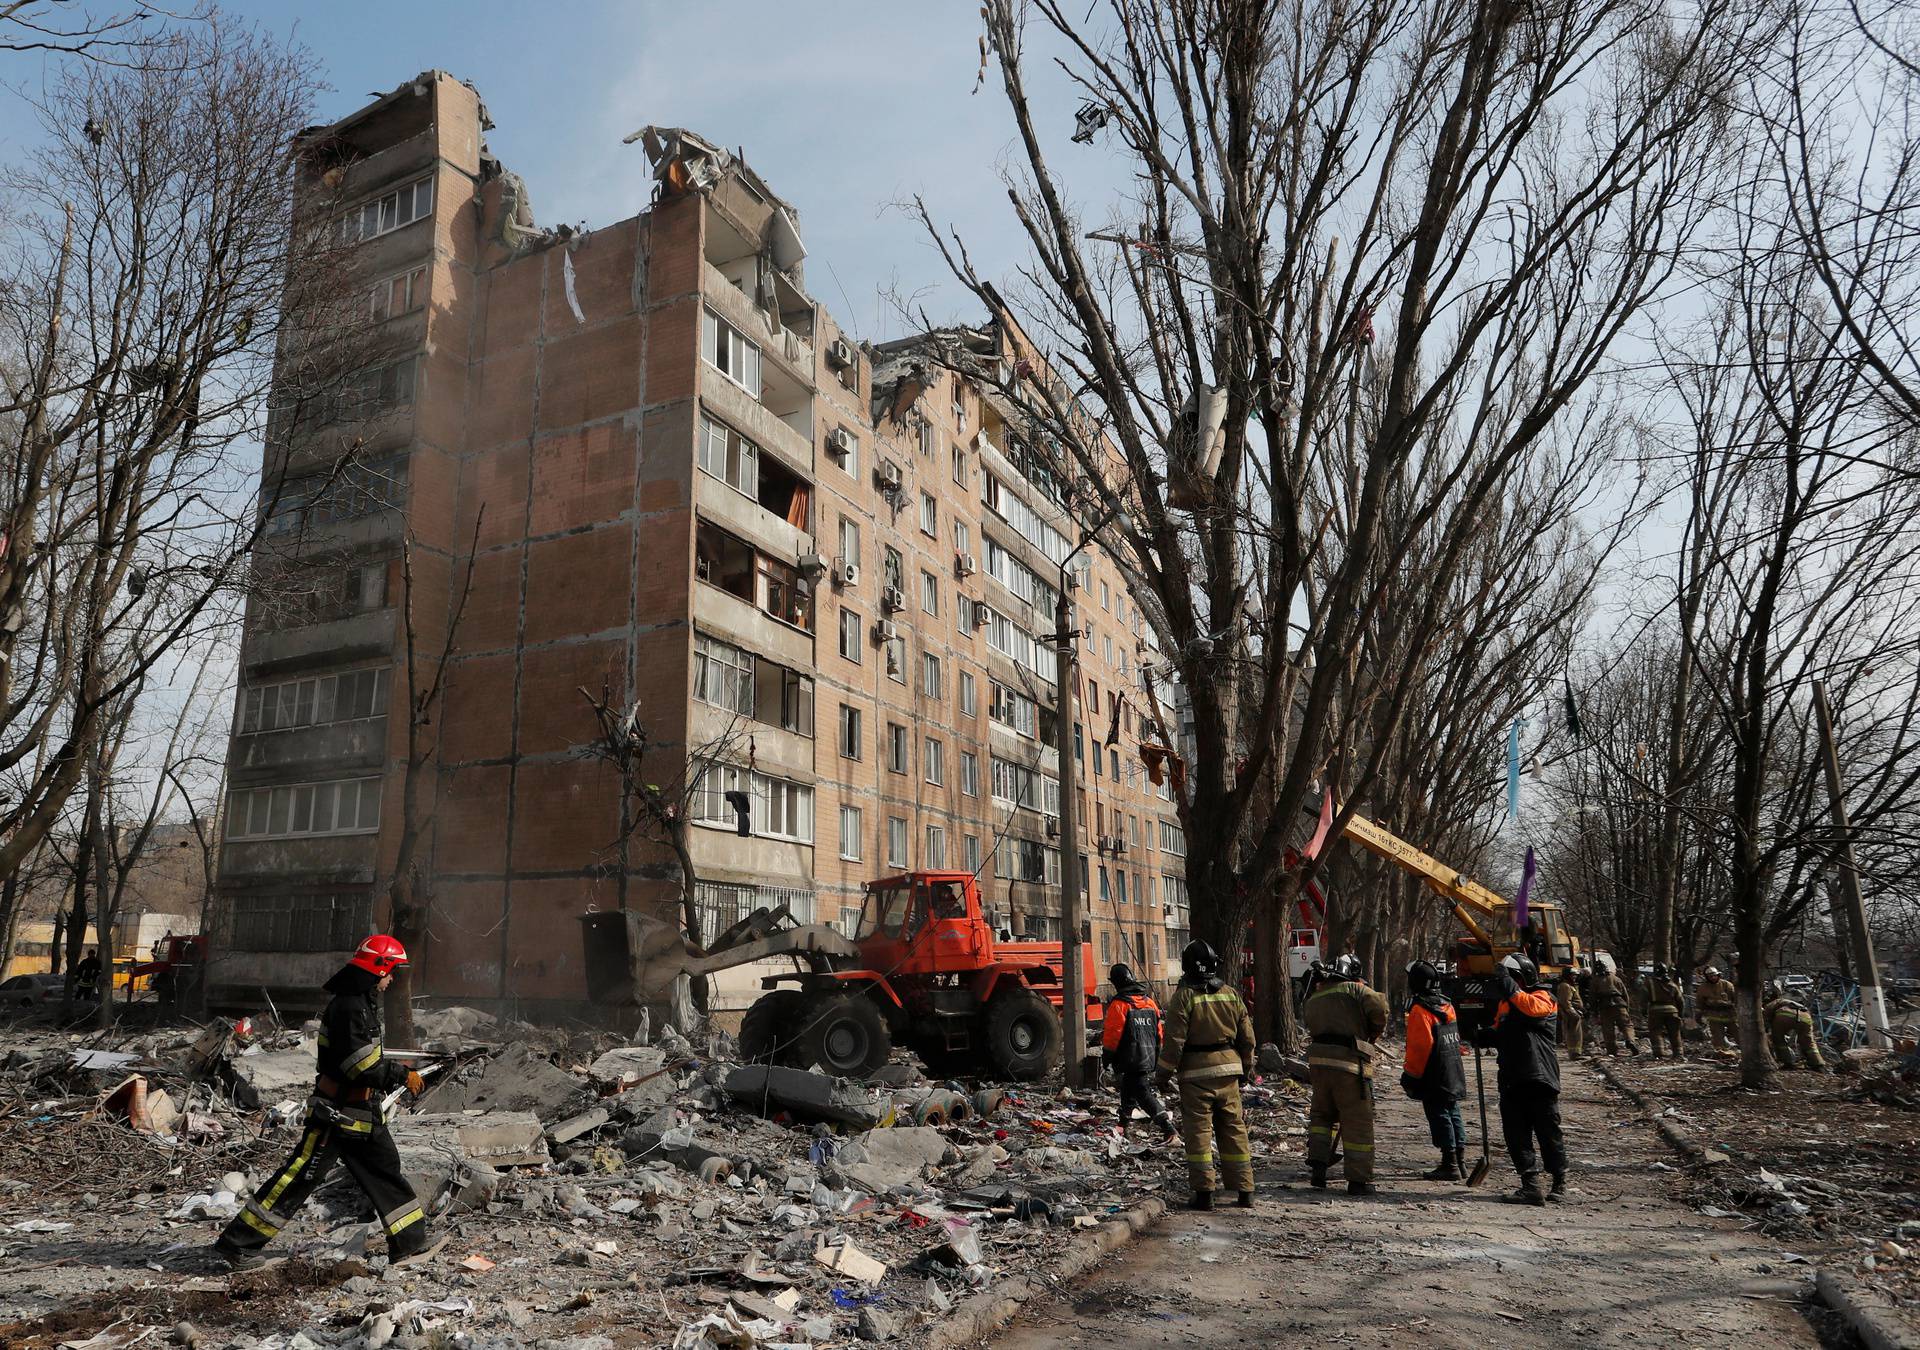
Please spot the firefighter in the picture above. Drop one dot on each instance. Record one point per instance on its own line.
(344, 1120)
(1432, 1074)
(1130, 1047)
(86, 975)
(1714, 997)
(1790, 1027)
(1208, 1043)
(1522, 1033)
(1664, 1000)
(1607, 998)
(1345, 1019)
(1572, 1006)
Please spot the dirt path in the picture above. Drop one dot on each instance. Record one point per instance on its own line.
(1432, 1264)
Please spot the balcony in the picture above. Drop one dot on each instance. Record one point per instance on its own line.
(759, 600)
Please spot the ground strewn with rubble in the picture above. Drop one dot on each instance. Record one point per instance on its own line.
(1626, 1262)
(594, 1193)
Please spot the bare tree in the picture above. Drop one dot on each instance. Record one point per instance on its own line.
(1505, 188)
(65, 28)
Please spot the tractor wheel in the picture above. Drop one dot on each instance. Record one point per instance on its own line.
(770, 1032)
(1023, 1035)
(846, 1035)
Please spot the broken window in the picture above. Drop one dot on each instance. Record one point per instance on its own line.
(784, 493)
(784, 698)
(300, 923)
(388, 212)
(722, 674)
(401, 294)
(315, 701)
(732, 564)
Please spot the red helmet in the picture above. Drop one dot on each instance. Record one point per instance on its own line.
(380, 954)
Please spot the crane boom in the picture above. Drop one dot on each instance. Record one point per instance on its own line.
(1471, 901)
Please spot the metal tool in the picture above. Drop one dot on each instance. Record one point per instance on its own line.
(1485, 1165)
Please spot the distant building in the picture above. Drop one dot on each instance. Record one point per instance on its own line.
(824, 565)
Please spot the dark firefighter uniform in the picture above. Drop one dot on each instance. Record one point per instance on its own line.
(1572, 1012)
(344, 1122)
(1208, 1045)
(1523, 1034)
(1665, 998)
(1607, 999)
(1432, 1074)
(1790, 1028)
(1130, 1045)
(1345, 1019)
(1714, 997)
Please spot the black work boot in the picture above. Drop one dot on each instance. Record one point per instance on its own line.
(1460, 1162)
(1361, 1188)
(1245, 1201)
(1559, 1191)
(240, 1258)
(1318, 1176)
(1201, 1200)
(1527, 1193)
(1448, 1170)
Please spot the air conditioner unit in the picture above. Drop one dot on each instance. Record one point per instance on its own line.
(1053, 827)
(964, 565)
(840, 353)
(893, 599)
(887, 476)
(812, 564)
(841, 442)
(981, 614)
(885, 631)
(846, 574)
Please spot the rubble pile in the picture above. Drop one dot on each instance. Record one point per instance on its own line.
(587, 1184)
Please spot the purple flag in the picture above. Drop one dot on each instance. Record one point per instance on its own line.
(1526, 888)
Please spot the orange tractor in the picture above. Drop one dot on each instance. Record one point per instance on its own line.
(923, 969)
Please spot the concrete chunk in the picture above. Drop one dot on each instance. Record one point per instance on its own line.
(585, 1123)
(516, 1079)
(275, 1074)
(879, 1160)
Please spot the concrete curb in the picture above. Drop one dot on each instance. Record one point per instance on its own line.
(987, 1312)
(1871, 1316)
(1689, 1148)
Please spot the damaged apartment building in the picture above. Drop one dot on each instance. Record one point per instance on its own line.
(820, 570)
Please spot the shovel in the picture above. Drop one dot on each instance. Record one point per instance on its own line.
(1485, 1164)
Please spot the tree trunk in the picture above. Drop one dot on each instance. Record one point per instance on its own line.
(1756, 1057)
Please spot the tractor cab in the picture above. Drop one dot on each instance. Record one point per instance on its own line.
(924, 923)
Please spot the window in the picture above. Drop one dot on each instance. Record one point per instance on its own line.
(928, 438)
(300, 923)
(1120, 885)
(729, 352)
(732, 458)
(850, 833)
(849, 732)
(1024, 519)
(777, 809)
(1113, 764)
(897, 660)
(367, 587)
(959, 466)
(962, 538)
(1106, 884)
(850, 540)
(1106, 940)
(896, 747)
(1011, 709)
(968, 706)
(893, 570)
(1105, 598)
(971, 843)
(786, 698)
(722, 674)
(1106, 641)
(398, 295)
(1098, 760)
(318, 701)
(1016, 643)
(936, 762)
(930, 675)
(969, 773)
(1172, 839)
(345, 806)
(384, 214)
(729, 562)
(935, 858)
(722, 905)
(1017, 577)
(930, 593)
(1015, 784)
(847, 451)
(850, 635)
(896, 841)
(929, 515)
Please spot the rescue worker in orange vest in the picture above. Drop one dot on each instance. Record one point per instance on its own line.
(1208, 1042)
(1130, 1046)
(1664, 1001)
(1523, 1033)
(1345, 1019)
(1432, 1074)
(345, 1120)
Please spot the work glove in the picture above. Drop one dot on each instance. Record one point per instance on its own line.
(415, 1083)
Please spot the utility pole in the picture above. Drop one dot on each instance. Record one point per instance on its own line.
(1873, 1004)
(1073, 1004)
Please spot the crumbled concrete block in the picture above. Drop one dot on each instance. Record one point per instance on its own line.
(881, 1159)
(627, 1064)
(516, 1079)
(878, 1326)
(585, 1123)
(273, 1074)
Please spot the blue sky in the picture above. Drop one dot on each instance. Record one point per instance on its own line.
(844, 109)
